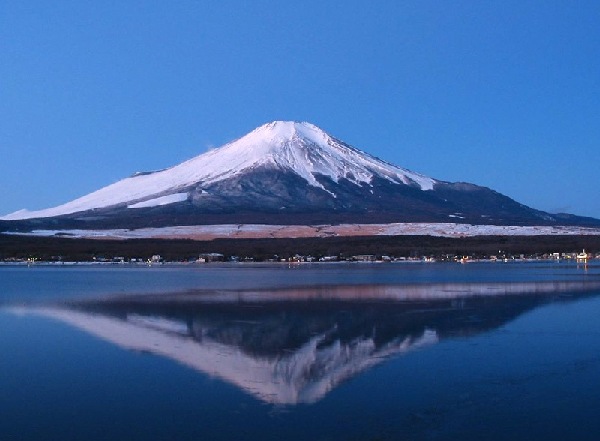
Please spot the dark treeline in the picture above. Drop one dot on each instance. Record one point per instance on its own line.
(52, 248)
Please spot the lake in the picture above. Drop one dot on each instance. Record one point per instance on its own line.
(341, 351)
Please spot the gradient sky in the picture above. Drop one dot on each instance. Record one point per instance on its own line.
(504, 94)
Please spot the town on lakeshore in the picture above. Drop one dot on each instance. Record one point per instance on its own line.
(27, 250)
(212, 257)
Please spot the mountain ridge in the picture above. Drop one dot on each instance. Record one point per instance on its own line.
(281, 173)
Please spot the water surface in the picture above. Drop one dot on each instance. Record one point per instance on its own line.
(331, 352)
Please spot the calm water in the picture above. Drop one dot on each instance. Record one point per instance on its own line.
(308, 352)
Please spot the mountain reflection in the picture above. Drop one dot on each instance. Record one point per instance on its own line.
(294, 346)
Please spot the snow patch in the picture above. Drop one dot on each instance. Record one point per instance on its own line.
(163, 200)
(207, 232)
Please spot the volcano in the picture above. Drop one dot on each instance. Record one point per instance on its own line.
(285, 173)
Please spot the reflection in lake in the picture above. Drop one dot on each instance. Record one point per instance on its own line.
(293, 346)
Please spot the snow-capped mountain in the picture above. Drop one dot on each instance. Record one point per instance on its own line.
(299, 148)
(286, 172)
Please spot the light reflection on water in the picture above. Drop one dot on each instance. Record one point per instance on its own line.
(49, 283)
(487, 354)
(291, 346)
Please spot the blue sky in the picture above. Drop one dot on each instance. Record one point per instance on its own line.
(503, 94)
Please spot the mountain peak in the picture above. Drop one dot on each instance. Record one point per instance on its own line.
(282, 131)
(285, 125)
(309, 152)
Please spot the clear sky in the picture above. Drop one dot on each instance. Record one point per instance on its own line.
(504, 94)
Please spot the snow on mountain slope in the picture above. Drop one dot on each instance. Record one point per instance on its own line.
(306, 150)
(162, 200)
(299, 147)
